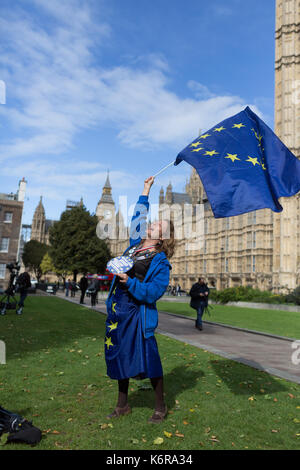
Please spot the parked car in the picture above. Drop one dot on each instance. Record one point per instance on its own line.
(51, 289)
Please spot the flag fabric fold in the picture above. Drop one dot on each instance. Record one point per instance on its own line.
(243, 165)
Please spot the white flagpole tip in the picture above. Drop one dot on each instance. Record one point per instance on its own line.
(163, 169)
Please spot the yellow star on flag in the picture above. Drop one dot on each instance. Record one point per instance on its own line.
(204, 136)
(253, 160)
(198, 149)
(114, 307)
(112, 326)
(238, 126)
(263, 166)
(211, 152)
(114, 291)
(108, 342)
(219, 129)
(232, 157)
(195, 144)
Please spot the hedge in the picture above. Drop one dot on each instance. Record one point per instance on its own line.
(248, 294)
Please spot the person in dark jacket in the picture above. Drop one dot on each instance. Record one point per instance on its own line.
(23, 283)
(73, 288)
(199, 300)
(67, 287)
(83, 284)
(94, 289)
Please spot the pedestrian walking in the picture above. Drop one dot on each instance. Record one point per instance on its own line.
(94, 289)
(73, 288)
(199, 300)
(83, 284)
(67, 287)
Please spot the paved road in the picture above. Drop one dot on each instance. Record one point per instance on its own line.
(272, 354)
(264, 352)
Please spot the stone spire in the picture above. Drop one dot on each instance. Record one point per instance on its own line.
(106, 192)
(40, 210)
(38, 223)
(161, 196)
(168, 198)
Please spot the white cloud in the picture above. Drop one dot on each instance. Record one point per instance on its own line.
(57, 181)
(56, 90)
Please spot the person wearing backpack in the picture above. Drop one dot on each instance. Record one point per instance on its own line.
(17, 429)
(199, 300)
(23, 284)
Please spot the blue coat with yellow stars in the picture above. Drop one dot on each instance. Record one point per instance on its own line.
(157, 278)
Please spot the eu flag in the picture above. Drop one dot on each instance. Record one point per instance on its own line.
(243, 165)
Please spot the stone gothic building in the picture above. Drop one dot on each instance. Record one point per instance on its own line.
(229, 252)
(286, 225)
(40, 225)
(260, 248)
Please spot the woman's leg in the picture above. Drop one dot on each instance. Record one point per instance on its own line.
(123, 393)
(158, 387)
(122, 407)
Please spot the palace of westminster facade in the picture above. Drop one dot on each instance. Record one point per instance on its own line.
(261, 248)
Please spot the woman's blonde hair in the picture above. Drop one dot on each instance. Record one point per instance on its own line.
(168, 244)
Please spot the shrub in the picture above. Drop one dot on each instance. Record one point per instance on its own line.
(294, 297)
(247, 294)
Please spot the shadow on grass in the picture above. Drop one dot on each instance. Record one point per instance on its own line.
(177, 381)
(48, 323)
(244, 379)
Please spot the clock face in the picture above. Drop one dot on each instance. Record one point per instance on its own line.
(107, 214)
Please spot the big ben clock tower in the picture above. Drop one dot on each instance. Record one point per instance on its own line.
(111, 223)
(106, 207)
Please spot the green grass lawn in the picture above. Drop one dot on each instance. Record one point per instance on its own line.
(276, 322)
(56, 376)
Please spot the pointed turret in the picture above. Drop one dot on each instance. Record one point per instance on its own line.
(40, 208)
(106, 206)
(106, 192)
(169, 197)
(161, 196)
(38, 223)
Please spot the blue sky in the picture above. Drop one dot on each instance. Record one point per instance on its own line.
(122, 85)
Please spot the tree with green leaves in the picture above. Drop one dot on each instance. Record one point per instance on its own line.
(75, 246)
(47, 265)
(33, 255)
